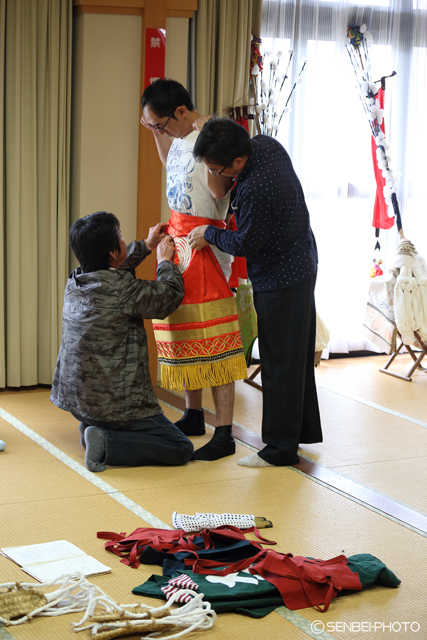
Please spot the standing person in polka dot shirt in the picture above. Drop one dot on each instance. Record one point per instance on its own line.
(274, 235)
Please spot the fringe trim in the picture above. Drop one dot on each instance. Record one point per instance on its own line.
(202, 376)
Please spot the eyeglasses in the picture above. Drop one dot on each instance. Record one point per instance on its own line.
(217, 173)
(161, 127)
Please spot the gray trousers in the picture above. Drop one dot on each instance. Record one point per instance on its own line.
(148, 441)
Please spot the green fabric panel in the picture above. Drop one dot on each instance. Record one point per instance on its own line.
(250, 595)
(372, 571)
(256, 598)
(247, 319)
(252, 608)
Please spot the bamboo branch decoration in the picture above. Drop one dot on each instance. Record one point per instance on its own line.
(358, 39)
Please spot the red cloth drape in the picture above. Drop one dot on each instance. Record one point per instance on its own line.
(238, 268)
(245, 123)
(302, 582)
(305, 582)
(203, 277)
(380, 218)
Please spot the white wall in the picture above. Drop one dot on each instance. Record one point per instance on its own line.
(105, 121)
(106, 117)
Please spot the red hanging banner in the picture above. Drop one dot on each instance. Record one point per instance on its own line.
(155, 47)
(381, 220)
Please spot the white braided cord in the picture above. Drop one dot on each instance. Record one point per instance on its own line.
(76, 594)
(201, 521)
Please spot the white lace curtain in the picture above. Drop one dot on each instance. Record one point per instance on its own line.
(328, 137)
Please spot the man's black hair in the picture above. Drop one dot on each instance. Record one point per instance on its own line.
(221, 141)
(92, 238)
(164, 96)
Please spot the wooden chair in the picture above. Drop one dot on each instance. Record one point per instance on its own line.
(249, 331)
(417, 360)
(251, 379)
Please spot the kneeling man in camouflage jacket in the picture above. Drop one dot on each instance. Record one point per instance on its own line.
(102, 375)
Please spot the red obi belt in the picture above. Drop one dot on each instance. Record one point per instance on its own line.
(199, 345)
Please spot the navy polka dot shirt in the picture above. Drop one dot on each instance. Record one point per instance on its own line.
(273, 223)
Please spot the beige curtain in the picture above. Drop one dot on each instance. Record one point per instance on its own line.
(222, 53)
(35, 74)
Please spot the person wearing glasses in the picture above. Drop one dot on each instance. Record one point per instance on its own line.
(102, 373)
(274, 235)
(199, 346)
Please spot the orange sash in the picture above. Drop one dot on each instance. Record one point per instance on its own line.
(199, 345)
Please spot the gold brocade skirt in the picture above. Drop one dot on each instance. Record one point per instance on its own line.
(199, 345)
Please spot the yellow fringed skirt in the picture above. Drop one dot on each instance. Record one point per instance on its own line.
(199, 345)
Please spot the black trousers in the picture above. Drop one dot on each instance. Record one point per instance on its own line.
(287, 339)
(147, 441)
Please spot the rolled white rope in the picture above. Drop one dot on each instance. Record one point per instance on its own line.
(196, 614)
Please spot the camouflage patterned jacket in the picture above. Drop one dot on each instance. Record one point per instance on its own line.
(102, 369)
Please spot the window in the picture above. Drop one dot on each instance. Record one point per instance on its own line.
(328, 138)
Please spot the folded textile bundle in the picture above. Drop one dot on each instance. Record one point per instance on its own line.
(251, 594)
(211, 521)
(238, 592)
(301, 582)
(174, 549)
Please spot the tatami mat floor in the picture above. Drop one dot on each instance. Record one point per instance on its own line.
(375, 432)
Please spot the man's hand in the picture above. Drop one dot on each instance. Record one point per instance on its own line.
(155, 235)
(157, 132)
(200, 122)
(195, 238)
(165, 249)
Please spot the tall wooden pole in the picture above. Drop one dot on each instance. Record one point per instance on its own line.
(149, 174)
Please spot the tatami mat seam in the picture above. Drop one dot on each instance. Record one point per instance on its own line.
(364, 504)
(411, 512)
(332, 470)
(296, 619)
(373, 405)
(310, 628)
(150, 518)
(82, 471)
(368, 403)
(4, 633)
(361, 484)
(302, 623)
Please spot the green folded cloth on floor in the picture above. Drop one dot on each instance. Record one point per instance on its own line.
(239, 592)
(372, 571)
(251, 595)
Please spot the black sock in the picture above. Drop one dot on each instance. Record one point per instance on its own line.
(192, 422)
(222, 444)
